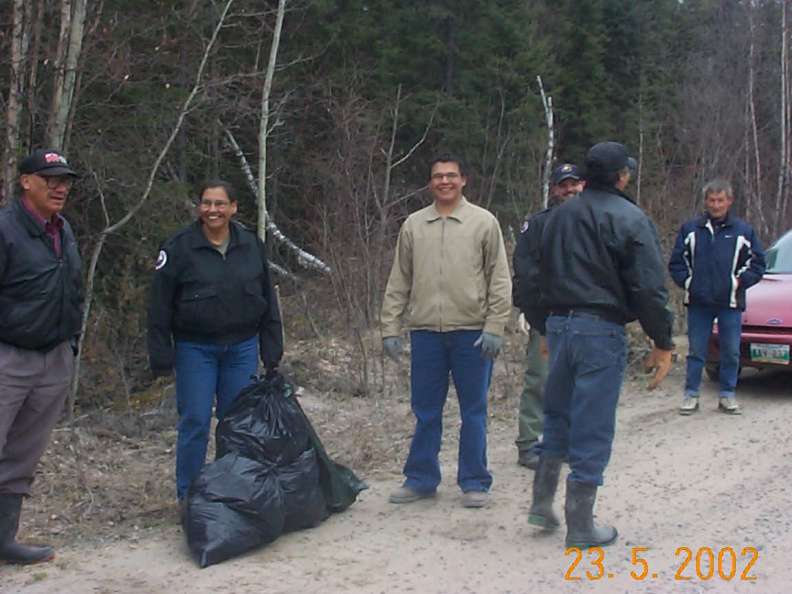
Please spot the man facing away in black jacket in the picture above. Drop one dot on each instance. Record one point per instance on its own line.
(600, 266)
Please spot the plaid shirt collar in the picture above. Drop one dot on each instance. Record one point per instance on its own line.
(53, 226)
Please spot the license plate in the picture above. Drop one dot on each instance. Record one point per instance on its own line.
(770, 353)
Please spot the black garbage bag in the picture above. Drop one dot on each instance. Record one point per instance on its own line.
(234, 504)
(267, 423)
(303, 498)
(264, 423)
(339, 484)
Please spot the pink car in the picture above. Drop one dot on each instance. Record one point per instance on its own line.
(767, 320)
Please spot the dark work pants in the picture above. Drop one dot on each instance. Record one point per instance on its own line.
(33, 388)
(586, 369)
(531, 415)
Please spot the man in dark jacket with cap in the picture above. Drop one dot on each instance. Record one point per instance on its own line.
(601, 266)
(566, 183)
(41, 297)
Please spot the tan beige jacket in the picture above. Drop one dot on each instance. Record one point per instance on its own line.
(449, 274)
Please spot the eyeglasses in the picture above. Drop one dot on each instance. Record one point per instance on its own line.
(441, 176)
(219, 205)
(56, 180)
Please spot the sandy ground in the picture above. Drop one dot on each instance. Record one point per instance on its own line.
(676, 489)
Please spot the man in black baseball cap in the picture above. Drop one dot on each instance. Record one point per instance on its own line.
(46, 163)
(608, 157)
(566, 183)
(565, 171)
(42, 295)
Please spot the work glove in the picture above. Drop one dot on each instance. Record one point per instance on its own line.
(660, 361)
(392, 345)
(523, 325)
(490, 345)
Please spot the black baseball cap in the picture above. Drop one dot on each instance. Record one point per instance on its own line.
(46, 163)
(608, 156)
(565, 171)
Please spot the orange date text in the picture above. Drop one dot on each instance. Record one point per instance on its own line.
(703, 563)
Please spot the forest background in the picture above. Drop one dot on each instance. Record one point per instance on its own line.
(324, 114)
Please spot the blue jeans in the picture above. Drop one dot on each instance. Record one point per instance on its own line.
(204, 371)
(434, 356)
(700, 319)
(584, 379)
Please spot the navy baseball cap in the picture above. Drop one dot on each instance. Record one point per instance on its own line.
(46, 163)
(608, 156)
(565, 171)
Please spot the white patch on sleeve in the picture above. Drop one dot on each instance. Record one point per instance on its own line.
(162, 259)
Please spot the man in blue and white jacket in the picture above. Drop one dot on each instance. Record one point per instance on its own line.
(715, 259)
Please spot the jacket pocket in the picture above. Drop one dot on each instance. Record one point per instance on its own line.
(198, 310)
(255, 305)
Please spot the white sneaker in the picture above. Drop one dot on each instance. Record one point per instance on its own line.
(729, 405)
(689, 405)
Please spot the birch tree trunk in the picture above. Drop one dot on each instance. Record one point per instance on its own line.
(782, 188)
(69, 49)
(547, 102)
(20, 40)
(752, 146)
(265, 118)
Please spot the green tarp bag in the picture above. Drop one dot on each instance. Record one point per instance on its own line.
(338, 483)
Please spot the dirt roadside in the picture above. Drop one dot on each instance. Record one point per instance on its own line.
(709, 482)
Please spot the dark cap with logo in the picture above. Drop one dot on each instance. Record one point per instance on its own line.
(46, 163)
(608, 156)
(565, 171)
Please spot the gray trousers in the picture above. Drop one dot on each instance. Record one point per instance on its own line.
(33, 388)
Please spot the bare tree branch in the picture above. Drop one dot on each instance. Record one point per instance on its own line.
(304, 258)
(111, 228)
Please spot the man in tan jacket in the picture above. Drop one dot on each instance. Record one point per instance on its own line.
(451, 276)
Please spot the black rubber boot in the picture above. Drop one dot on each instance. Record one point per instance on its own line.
(10, 550)
(544, 488)
(579, 512)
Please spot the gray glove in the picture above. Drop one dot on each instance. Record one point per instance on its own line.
(490, 345)
(392, 346)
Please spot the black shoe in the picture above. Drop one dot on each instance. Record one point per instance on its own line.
(11, 552)
(579, 512)
(528, 458)
(544, 488)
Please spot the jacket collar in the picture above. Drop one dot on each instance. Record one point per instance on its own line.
(609, 190)
(198, 240)
(460, 212)
(704, 220)
(34, 226)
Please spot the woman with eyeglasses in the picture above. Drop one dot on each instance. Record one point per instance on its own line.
(212, 314)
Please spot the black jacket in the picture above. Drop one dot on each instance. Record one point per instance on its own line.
(525, 294)
(199, 295)
(41, 295)
(601, 253)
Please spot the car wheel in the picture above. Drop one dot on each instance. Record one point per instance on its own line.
(713, 373)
